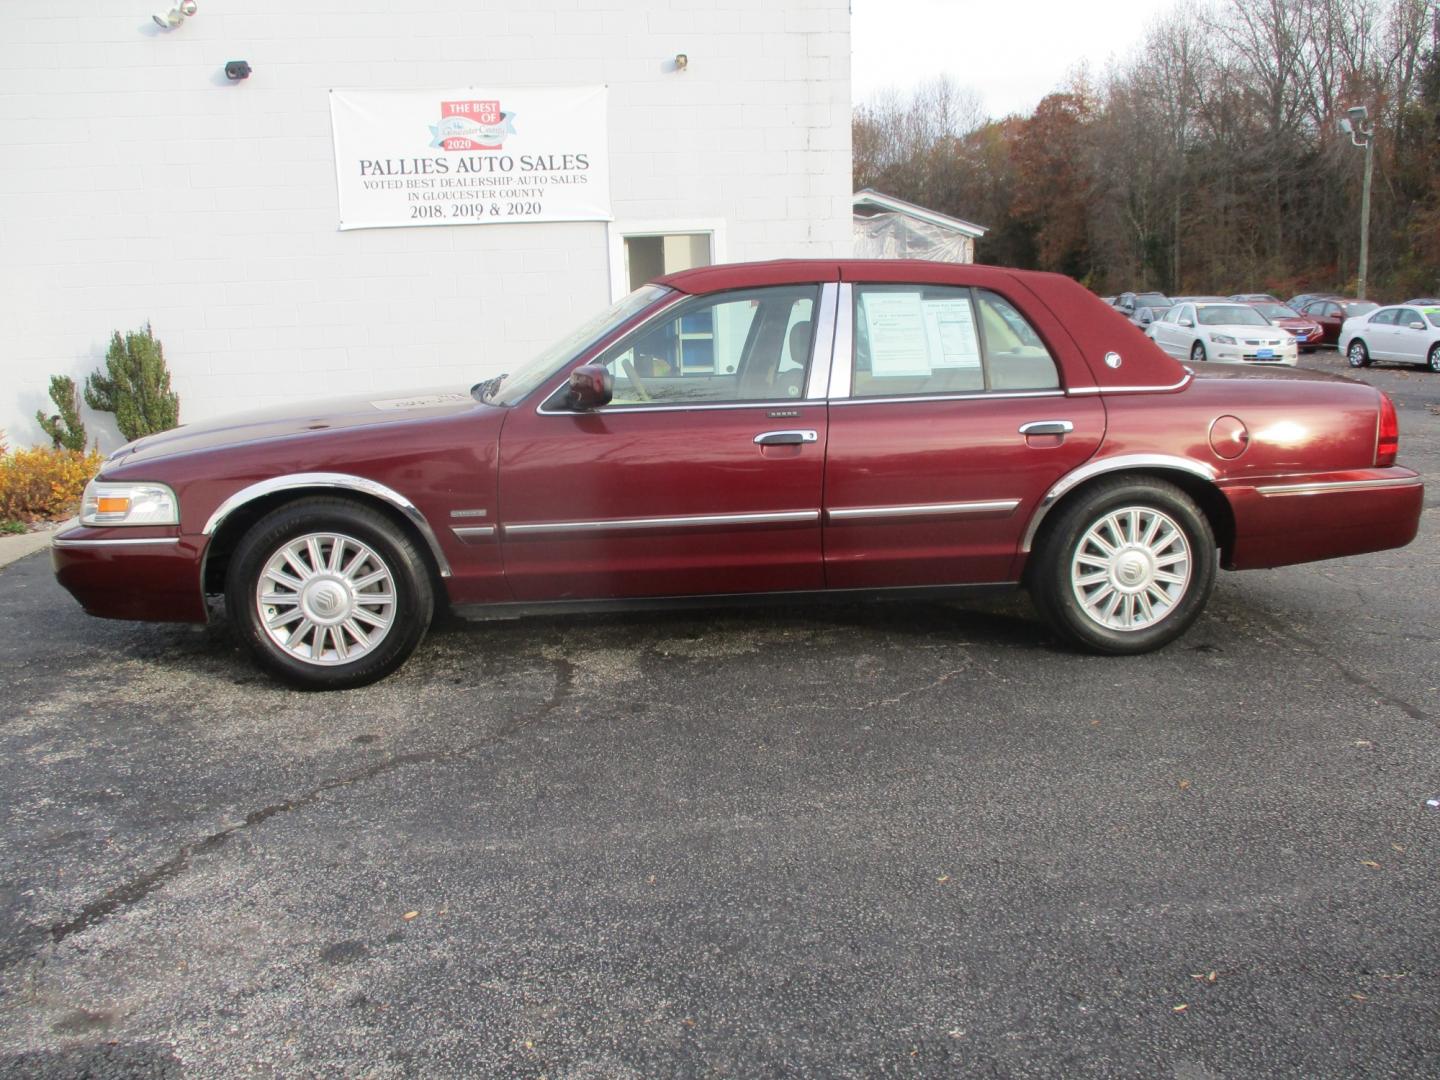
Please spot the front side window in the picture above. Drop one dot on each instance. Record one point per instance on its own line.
(917, 340)
(1406, 316)
(752, 345)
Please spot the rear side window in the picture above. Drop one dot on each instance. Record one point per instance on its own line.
(920, 340)
(1383, 318)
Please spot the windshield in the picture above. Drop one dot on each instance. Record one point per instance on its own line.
(1276, 311)
(1230, 315)
(1152, 299)
(1433, 314)
(526, 378)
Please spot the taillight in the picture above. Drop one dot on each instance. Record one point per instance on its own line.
(1388, 444)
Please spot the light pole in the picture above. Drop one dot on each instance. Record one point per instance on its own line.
(1362, 133)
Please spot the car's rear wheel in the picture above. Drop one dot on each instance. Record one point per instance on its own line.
(1126, 568)
(1357, 354)
(1197, 353)
(1432, 361)
(328, 594)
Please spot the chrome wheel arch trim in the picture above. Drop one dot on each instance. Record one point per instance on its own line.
(332, 481)
(1100, 467)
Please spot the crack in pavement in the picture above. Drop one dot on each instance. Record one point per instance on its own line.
(1348, 673)
(138, 888)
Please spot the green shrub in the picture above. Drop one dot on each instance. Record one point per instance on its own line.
(65, 428)
(135, 386)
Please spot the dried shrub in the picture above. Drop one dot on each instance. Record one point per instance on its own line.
(42, 483)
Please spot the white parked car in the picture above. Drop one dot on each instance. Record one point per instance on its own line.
(1410, 335)
(1222, 331)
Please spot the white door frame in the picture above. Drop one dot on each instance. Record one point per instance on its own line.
(619, 230)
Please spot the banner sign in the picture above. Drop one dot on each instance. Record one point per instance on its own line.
(472, 156)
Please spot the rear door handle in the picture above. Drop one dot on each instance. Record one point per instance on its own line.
(786, 438)
(1047, 427)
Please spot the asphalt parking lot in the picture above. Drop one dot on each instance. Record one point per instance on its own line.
(862, 841)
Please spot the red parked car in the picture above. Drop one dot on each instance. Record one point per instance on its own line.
(1332, 312)
(781, 429)
(1309, 334)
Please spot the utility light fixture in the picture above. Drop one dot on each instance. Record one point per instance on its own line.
(176, 15)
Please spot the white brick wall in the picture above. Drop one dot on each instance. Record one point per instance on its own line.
(136, 183)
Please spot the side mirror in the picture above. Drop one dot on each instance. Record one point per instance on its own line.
(1187, 322)
(1417, 326)
(591, 386)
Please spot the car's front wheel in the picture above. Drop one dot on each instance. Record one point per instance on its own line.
(328, 594)
(1432, 360)
(1197, 353)
(1125, 568)
(1357, 354)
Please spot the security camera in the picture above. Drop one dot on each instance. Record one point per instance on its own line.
(1345, 126)
(188, 7)
(169, 20)
(235, 70)
(1358, 114)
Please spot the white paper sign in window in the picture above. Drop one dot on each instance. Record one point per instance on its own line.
(895, 325)
(950, 333)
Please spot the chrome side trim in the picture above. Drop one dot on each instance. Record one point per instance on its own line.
(822, 355)
(342, 481)
(1132, 389)
(981, 395)
(997, 506)
(1099, 467)
(689, 521)
(843, 356)
(1332, 486)
(472, 533)
(469, 513)
(626, 410)
(60, 541)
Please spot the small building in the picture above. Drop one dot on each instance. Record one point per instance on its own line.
(891, 228)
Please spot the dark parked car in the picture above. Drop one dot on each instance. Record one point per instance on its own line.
(784, 429)
(1299, 302)
(1332, 312)
(1309, 335)
(1129, 304)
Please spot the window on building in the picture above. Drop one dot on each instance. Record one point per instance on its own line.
(649, 257)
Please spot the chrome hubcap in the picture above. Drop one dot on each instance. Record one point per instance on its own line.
(1131, 568)
(326, 598)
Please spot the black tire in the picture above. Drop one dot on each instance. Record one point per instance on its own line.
(1432, 359)
(1053, 571)
(377, 546)
(1197, 353)
(1357, 354)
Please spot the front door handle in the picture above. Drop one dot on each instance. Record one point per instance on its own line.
(786, 438)
(1047, 427)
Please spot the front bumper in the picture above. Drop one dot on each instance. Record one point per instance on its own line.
(132, 573)
(1293, 519)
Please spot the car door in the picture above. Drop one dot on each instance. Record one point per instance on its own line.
(1329, 316)
(703, 474)
(948, 422)
(1378, 333)
(1409, 338)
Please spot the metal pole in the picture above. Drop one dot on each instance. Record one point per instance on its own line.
(1365, 211)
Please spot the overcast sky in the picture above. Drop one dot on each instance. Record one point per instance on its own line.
(1011, 53)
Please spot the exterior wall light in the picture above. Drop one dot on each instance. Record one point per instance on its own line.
(176, 15)
(235, 70)
(681, 61)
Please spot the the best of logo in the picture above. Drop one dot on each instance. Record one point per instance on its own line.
(471, 125)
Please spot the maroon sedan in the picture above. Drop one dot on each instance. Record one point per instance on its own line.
(776, 429)
(1332, 312)
(1309, 334)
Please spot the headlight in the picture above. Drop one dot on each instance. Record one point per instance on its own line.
(129, 504)
(1222, 339)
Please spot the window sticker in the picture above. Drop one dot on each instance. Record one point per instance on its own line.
(895, 322)
(950, 332)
